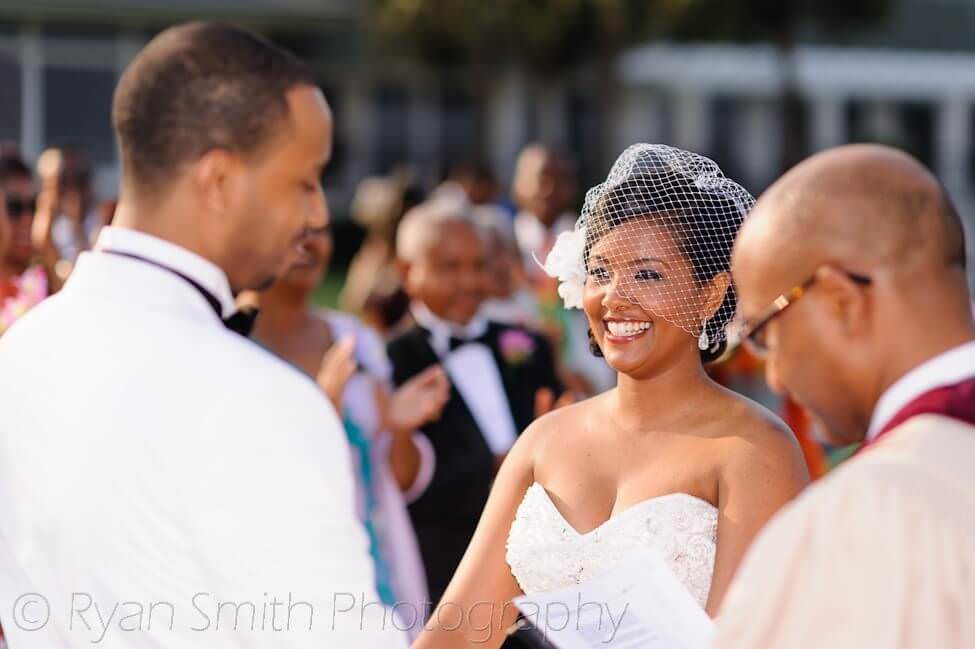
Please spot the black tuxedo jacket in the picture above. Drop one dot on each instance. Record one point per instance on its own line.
(446, 514)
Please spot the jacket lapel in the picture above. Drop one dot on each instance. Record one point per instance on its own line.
(513, 378)
(457, 415)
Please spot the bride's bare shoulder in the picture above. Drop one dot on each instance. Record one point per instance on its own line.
(755, 434)
(564, 425)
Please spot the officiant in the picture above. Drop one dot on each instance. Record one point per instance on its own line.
(851, 278)
(182, 464)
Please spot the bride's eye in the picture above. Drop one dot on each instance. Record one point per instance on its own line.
(649, 275)
(599, 275)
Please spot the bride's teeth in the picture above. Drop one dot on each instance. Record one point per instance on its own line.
(627, 328)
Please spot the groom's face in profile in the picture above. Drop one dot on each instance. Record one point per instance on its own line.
(279, 194)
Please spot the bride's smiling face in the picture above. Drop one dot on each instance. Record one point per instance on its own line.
(641, 298)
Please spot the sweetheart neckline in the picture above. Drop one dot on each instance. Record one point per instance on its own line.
(617, 515)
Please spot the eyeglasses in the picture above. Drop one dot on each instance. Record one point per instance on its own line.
(753, 333)
(17, 207)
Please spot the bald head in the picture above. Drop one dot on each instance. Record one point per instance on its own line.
(884, 246)
(859, 206)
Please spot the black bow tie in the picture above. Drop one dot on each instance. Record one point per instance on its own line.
(241, 322)
(456, 342)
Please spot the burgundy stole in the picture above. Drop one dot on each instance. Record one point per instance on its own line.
(955, 401)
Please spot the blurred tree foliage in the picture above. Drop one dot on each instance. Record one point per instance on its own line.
(550, 35)
(556, 34)
(547, 39)
(779, 22)
(774, 21)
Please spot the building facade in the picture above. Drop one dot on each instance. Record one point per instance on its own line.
(908, 82)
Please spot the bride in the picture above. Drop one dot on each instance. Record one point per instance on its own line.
(668, 459)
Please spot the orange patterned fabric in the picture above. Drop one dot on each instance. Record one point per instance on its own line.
(801, 424)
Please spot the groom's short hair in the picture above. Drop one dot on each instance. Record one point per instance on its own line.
(198, 87)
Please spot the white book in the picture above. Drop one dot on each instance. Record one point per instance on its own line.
(639, 604)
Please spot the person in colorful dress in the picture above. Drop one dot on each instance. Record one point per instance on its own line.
(23, 281)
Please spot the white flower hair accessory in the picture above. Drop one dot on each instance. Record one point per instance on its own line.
(566, 262)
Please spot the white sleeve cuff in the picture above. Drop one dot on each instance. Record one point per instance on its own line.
(428, 461)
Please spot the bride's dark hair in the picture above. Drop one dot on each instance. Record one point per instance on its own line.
(704, 220)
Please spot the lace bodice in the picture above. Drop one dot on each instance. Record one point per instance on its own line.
(546, 553)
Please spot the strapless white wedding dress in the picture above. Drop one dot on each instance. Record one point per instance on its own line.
(546, 553)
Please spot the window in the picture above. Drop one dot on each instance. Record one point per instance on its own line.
(459, 126)
(10, 105)
(907, 125)
(725, 125)
(78, 108)
(390, 145)
(585, 135)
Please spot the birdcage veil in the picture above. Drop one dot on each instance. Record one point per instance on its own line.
(659, 208)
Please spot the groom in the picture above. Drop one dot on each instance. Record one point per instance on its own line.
(851, 275)
(164, 482)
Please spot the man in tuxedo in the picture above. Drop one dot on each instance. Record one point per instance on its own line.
(182, 487)
(499, 374)
(851, 276)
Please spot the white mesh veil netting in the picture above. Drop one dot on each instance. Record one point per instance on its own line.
(659, 232)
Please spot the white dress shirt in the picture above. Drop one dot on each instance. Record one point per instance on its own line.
(194, 488)
(949, 368)
(474, 372)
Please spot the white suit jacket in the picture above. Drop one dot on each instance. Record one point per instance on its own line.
(165, 482)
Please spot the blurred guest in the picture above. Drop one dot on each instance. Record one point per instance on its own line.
(17, 184)
(76, 222)
(5, 232)
(391, 459)
(509, 300)
(25, 277)
(543, 190)
(372, 286)
(851, 277)
(804, 427)
(501, 377)
(473, 180)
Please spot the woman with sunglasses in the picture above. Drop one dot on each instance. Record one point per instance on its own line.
(667, 460)
(27, 270)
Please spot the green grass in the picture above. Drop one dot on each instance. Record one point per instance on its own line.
(327, 293)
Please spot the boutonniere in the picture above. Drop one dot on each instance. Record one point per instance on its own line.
(516, 346)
